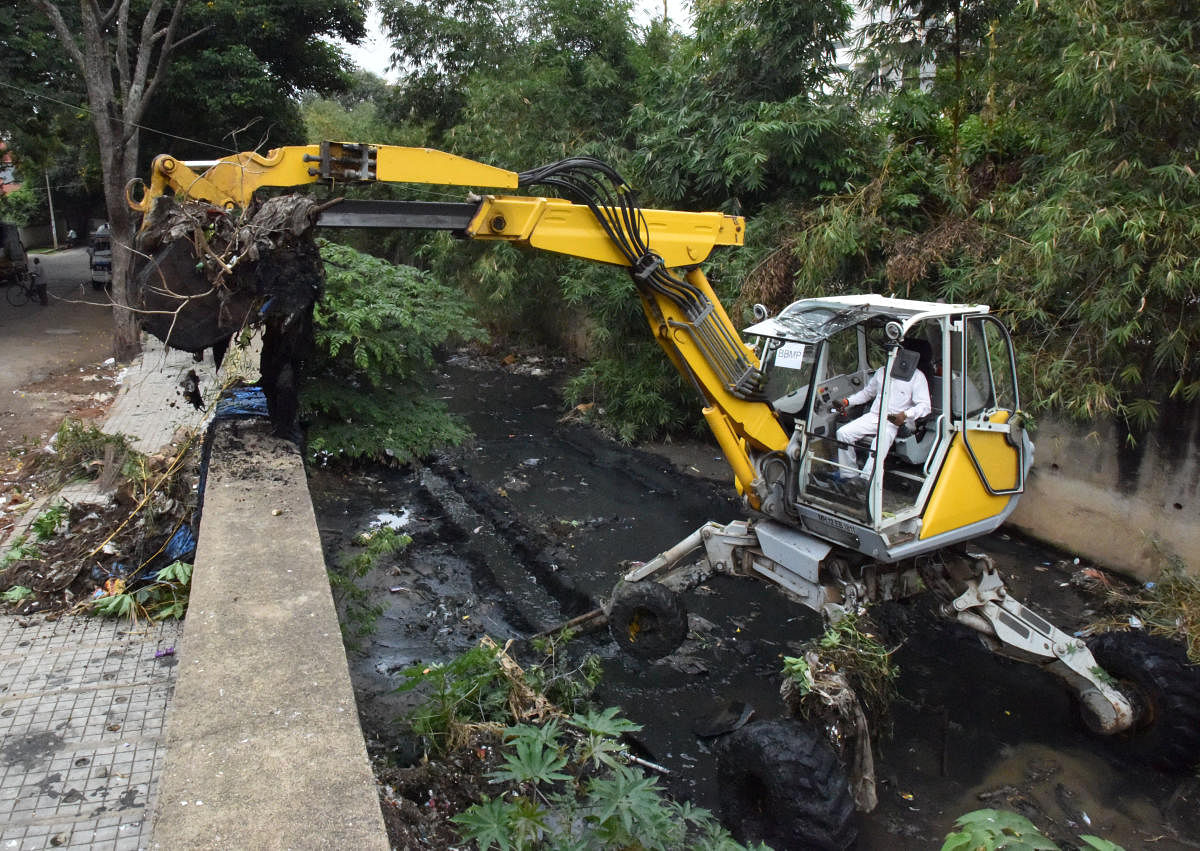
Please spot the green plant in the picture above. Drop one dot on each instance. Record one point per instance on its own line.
(469, 689)
(565, 681)
(22, 549)
(16, 594)
(992, 829)
(23, 206)
(535, 755)
(50, 522)
(1169, 607)
(985, 830)
(567, 781)
(846, 654)
(166, 596)
(561, 796)
(83, 450)
(376, 330)
(358, 614)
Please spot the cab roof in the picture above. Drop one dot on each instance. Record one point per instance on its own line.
(811, 320)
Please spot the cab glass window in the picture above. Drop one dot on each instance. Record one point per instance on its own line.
(842, 358)
(787, 365)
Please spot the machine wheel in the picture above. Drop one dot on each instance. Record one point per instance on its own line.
(16, 294)
(780, 782)
(1165, 690)
(97, 285)
(647, 619)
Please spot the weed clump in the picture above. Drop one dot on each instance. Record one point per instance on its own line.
(557, 779)
(111, 557)
(1169, 607)
(357, 614)
(845, 682)
(84, 451)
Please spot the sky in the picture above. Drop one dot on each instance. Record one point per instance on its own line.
(372, 54)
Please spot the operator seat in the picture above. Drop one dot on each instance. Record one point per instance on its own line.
(915, 440)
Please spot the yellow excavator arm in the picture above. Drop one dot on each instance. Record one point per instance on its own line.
(662, 249)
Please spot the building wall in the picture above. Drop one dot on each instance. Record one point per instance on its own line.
(1129, 506)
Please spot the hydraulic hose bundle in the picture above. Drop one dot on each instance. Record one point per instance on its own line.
(614, 203)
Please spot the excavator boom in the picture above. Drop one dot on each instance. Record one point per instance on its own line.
(601, 220)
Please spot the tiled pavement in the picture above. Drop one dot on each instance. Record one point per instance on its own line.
(83, 701)
(82, 709)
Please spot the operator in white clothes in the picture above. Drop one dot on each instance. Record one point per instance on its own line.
(908, 399)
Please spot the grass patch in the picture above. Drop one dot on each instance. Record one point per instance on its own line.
(1169, 607)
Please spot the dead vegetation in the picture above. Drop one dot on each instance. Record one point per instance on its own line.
(83, 543)
(1169, 607)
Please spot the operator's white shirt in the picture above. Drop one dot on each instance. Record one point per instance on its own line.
(911, 396)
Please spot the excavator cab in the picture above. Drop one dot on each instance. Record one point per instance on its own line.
(950, 474)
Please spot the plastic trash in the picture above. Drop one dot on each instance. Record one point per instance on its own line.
(101, 574)
(242, 402)
(182, 546)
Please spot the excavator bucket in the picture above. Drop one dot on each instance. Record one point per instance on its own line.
(209, 272)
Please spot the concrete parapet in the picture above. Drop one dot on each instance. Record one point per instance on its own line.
(264, 748)
(1127, 508)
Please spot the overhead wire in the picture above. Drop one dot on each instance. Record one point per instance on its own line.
(87, 109)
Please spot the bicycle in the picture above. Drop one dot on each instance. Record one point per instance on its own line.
(27, 285)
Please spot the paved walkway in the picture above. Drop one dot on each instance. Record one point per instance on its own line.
(82, 710)
(83, 700)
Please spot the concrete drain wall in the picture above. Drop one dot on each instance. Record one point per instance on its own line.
(264, 748)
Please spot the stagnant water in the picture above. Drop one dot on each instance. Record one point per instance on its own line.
(528, 526)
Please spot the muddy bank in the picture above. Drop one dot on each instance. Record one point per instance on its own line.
(529, 524)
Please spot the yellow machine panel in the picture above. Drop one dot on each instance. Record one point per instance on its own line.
(960, 497)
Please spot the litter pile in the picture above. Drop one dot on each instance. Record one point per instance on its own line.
(209, 273)
(108, 536)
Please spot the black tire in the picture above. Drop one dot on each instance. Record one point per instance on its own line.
(780, 782)
(16, 294)
(98, 285)
(1165, 689)
(647, 619)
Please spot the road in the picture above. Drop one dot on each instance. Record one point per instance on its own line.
(49, 353)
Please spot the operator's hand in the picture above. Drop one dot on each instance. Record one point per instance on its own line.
(840, 405)
(897, 419)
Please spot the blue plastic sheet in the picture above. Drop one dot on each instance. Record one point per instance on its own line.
(242, 402)
(182, 545)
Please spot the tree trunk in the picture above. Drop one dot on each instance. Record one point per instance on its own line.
(119, 82)
(127, 334)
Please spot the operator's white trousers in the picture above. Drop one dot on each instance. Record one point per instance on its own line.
(856, 430)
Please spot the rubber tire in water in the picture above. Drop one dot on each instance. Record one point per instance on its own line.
(647, 619)
(1165, 688)
(781, 783)
(16, 295)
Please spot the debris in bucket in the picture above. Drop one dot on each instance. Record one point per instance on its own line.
(212, 272)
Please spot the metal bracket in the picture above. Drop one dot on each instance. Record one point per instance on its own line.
(1013, 630)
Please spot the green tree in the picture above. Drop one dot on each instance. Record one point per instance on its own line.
(46, 132)
(1096, 247)
(241, 79)
(121, 54)
(1065, 197)
(747, 112)
(376, 330)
